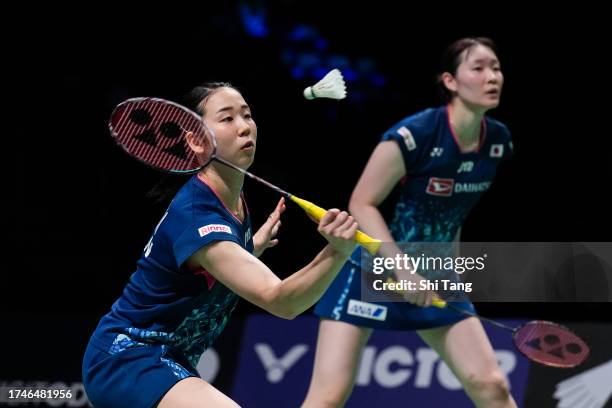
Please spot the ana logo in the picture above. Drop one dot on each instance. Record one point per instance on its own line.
(277, 367)
(440, 187)
(497, 150)
(436, 152)
(367, 310)
(207, 229)
(466, 167)
(408, 138)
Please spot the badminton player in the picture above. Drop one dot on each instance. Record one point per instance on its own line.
(201, 258)
(444, 159)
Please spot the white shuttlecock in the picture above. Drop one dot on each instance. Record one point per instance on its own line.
(591, 388)
(331, 86)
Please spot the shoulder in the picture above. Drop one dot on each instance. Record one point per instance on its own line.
(497, 130)
(196, 203)
(419, 123)
(416, 130)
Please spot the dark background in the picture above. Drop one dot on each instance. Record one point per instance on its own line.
(76, 216)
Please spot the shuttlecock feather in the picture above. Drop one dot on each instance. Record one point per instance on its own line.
(331, 86)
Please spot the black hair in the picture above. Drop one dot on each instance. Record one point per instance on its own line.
(194, 100)
(451, 59)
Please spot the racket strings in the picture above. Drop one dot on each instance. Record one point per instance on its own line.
(153, 131)
(551, 344)
(148, 137)
(169, 143)
(542, 341)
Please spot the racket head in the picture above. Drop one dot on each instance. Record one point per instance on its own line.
(551, 344)
(153, 131)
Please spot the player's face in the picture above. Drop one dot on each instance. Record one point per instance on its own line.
(229, 117)
(479, 80)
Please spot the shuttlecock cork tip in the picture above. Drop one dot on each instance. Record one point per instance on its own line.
(331, 86)
(309, 93)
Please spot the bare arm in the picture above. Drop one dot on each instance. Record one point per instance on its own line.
(251, 279)
(383, 171)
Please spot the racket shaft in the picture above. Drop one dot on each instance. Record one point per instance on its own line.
(370, 244)
(251, 175)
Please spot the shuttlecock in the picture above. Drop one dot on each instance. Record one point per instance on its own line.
(331, 86)
(591, 388)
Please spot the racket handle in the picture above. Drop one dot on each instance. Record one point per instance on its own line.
(439, 303)
(370, 244)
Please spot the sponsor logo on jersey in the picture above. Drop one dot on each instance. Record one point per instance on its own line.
(472, 187)
(497, 150)
(207, 229)
(440, 186)
(408, 138)
(466, 167)
(247, 236)
(446, 187)
(436, 152)
(367, 310)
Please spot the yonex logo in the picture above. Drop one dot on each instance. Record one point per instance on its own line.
(551, 344)
(440, 187)
(276, 367)
(207, 229)
(367, 310)
(436, 152)
(169, 130)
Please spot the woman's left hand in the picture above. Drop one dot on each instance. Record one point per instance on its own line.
(265, 237)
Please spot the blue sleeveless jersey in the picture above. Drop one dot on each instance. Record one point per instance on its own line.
(441, 186)
(442, 183)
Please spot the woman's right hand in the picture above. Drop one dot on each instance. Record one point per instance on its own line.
(338, 228)
(418, 296)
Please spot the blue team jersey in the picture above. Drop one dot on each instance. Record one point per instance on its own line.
(165, 302)
(442, 183)
(441, 186)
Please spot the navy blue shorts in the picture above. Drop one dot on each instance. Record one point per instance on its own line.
(134, 377)
(342, 302)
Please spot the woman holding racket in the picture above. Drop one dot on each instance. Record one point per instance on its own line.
(443, 159)
(201, 258)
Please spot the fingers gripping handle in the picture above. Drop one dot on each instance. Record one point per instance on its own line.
(439, 303)
(370, 244)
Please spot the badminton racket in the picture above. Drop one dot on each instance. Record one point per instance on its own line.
(544, 342)
(153, 131)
